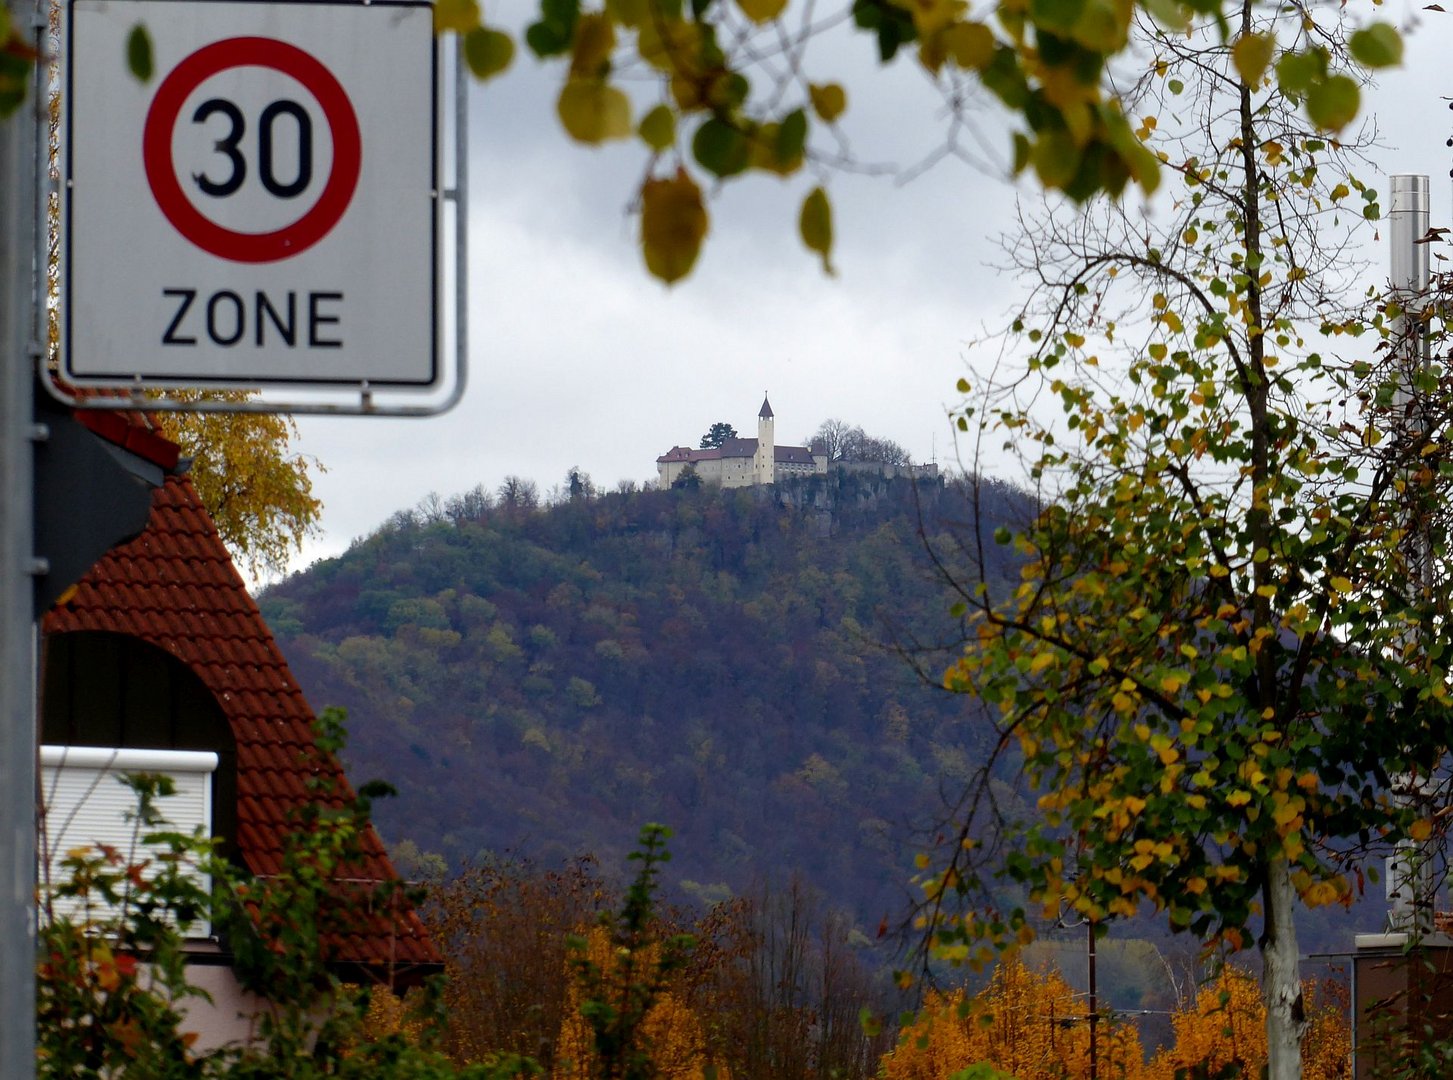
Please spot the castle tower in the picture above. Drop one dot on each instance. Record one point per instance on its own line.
(766, 463)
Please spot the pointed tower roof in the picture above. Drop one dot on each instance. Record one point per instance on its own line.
(766, 413)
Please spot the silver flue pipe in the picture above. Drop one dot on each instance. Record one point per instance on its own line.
(1409, 870)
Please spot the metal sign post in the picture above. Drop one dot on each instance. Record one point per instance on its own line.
(18, 347)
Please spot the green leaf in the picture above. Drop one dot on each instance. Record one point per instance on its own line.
(1055, 158)
(1005, 79)
(1169, 13)
(546, 40)
(555, 32)
(138, 53)
(658, 128)
(1377, 46)
(792, 138)
(721, 148)
(815, 225)
(487, 52)
(1296, 72)
(1333, 103)
(1057, 15)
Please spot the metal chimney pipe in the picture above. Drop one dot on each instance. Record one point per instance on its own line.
(1407, 222)
(1409, 871)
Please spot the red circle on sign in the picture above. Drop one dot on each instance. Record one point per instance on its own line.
(161, 174)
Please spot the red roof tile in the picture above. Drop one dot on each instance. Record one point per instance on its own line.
(175, 587)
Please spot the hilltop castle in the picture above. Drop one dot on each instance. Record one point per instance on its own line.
(743, 462)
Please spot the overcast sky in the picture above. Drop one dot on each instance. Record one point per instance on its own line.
(578, 358)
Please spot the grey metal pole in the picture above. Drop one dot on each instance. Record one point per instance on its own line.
(17, 687)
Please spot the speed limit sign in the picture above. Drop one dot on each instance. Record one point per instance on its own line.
(264, 210)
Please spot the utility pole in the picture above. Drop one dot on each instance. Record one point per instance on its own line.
(19, 220)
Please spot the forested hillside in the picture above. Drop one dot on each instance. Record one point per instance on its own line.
(545, 680)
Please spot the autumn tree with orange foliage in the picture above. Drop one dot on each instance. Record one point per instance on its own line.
(1032, 1025)
(671, 1030)
(1226, 1026)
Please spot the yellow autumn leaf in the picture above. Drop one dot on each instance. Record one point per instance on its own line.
(828, 100)
(971, 44)
(672, 46)
(1252, 56)
(631, 13)
(673, 225)
(760, 11)
(595, 40)
(930, 16)
(1238, 798)
(459, 16)
(592, 111)
(815, 225)
(1420, 830)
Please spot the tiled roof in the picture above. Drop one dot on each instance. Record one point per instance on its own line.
(765, 412)
(799, 454)
(739, 448)
(175, 587)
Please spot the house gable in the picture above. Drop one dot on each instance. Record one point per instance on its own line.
(175, 589)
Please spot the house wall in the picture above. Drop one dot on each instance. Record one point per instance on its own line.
(231, 1015)
(1397, 994)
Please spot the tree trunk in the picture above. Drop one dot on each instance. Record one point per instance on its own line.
(1281, 977)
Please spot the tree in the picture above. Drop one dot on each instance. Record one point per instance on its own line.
(1029, 1024)
(864, 447)
(257, 489)
(502, 927)
(688, 479)
(734, 94)
(518, 494)
(1221, 647)
(1050, 66)
(579, 484)
(842, 442)
(623, 1014)
(832, 437)
(717, 435)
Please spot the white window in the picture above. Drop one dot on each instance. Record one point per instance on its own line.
(87, 803)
